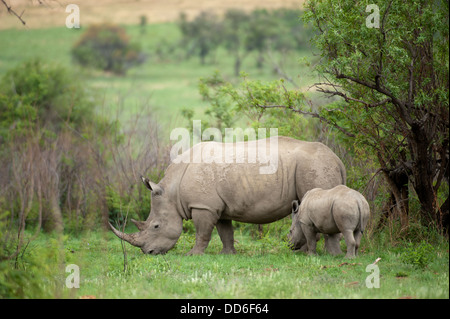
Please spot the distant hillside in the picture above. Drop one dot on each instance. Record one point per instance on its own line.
(51, 13)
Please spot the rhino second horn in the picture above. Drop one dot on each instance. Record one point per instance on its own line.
(130, 238)
(139, 224)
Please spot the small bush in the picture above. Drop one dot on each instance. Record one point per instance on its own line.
(418, 255)
(107, 47)
(50, 143)
(38, 94)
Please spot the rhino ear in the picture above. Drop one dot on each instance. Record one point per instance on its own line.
(295, 207)
(155, 188)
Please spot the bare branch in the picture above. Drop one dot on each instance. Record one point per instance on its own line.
(405, 116)
(348, 98)
(11, 11)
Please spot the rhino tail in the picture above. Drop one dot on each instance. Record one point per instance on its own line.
(343, 175)
(361, 223)
(362, 207)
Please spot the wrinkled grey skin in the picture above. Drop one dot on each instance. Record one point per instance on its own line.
(213, 195)
(332, 212)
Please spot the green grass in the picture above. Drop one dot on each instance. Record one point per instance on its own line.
(261, 269)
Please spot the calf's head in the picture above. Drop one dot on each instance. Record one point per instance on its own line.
(296, 237)
(160, 232)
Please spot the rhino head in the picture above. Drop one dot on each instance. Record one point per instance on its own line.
(160, 232)
(296, 237)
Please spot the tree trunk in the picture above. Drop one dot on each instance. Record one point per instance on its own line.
(398, 205)
(237, 65)
(260, 60)
(422, 172)
(444, 216)
(54, 218)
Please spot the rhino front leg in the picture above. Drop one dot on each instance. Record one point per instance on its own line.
(311, 236)
(204, 222)
(226, 233)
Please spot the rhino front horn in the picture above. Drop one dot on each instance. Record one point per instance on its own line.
(130, 238)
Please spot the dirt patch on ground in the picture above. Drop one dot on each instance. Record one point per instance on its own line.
(50, 13)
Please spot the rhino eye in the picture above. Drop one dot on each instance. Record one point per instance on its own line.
(156, 226)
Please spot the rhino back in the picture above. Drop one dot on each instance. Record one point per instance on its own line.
(239, 192)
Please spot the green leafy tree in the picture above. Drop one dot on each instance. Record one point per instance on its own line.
(235, 33)
(297, 34)
(220, 113)
(202, 35)
(107, 47)
(261, 30)
(38, 94)
(394, 83)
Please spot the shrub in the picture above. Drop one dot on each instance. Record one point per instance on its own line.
(39, 94)
(49, 142)
(418, 255)
(107, 47)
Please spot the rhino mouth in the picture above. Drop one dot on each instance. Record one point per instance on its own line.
(296, 247)
(154, 252)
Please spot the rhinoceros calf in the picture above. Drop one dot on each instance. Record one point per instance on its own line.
(333, 211)
(215, 193)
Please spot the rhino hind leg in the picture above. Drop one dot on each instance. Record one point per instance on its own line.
(332, 244)
(226, 233)
(204, 222)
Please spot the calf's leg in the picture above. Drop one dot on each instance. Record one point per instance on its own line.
(311, 241)
(351, 243)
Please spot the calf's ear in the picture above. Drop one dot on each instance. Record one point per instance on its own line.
(295, 207)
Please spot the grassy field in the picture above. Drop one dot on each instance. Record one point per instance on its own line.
(262, 268)
(162, 85)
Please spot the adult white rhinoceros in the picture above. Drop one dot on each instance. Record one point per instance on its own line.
(217, 192)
